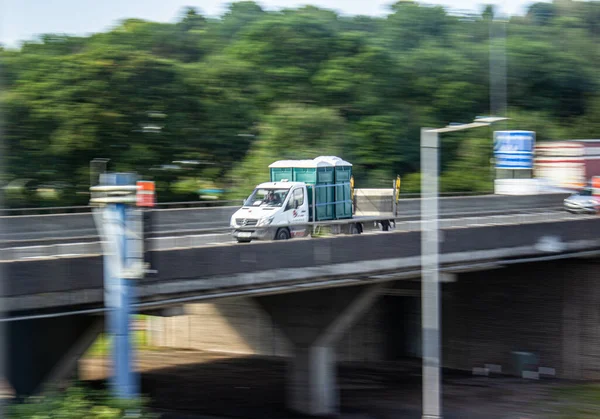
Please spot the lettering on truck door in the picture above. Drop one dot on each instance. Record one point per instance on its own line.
(297, 210)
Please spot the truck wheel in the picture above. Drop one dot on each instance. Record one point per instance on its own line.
(385, 225)
(282, 234)
(354, 229)
(244, 240)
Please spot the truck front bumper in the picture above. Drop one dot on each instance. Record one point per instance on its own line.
(264, 233)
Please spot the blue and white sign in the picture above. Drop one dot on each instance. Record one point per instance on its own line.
(514, 149)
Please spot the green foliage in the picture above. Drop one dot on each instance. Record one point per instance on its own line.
(103, 343)
(471, 170)
(78, 403)
(411, 184)
(254, 86)
(575, 401)
(291, 131)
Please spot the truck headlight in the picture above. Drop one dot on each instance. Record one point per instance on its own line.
(266, 221)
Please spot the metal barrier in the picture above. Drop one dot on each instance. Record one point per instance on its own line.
(66, 250)
(87, 208)
(184, 204)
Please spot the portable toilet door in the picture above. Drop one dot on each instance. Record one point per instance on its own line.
(343, 185)
(316, 174)
(321, 175)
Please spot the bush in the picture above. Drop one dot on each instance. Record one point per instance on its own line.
(78, 402)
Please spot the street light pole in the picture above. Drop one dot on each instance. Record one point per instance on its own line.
(430, 273)
(430, 303)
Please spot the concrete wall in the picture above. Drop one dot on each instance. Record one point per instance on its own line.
(581, 321)
(236, 325)
(241, 326)
(550, 309)
(365, 341)
(487, 315)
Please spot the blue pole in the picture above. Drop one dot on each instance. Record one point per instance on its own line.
(130, 386)
(109, 298)
(123, 381)
(122, 347)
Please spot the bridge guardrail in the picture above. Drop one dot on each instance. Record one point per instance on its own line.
(74, 209)
(66, 250)
(78, 209)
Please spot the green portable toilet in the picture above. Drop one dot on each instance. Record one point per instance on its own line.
(317, 174)
(320, 176)
(342, 195)
(281, 170)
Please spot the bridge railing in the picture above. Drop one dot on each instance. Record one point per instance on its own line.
(219, 236)
(186, 204)
(86, 208)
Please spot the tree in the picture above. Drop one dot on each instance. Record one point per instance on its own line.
(253, 86)
(291, 131)
(412, 23)
(239, 16)
(541, 13)
(488, 12)
(192, 20)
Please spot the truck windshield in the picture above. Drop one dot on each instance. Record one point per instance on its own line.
(267, 197)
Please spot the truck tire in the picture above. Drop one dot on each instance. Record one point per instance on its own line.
(282, 234)
(244, 240)
(355, 229)
(385, 225)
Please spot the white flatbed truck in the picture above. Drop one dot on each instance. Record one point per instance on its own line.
(302, 197)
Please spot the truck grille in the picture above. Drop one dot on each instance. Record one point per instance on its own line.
(246, 222)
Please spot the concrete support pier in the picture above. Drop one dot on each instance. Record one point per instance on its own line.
(313, 322)
(311, 381)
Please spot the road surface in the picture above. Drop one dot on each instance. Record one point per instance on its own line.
(55, 228)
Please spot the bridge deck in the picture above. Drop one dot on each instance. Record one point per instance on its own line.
(65, 282)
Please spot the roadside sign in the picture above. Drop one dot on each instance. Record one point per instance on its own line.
(514, 149)
(145, 193)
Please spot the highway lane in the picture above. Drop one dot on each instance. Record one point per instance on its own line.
(223, 231)
(61, 227)
(224, 239)
(65, 226)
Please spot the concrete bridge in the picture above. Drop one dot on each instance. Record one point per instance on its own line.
(314, 291)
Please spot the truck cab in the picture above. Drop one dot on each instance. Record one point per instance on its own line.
(274, 211)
